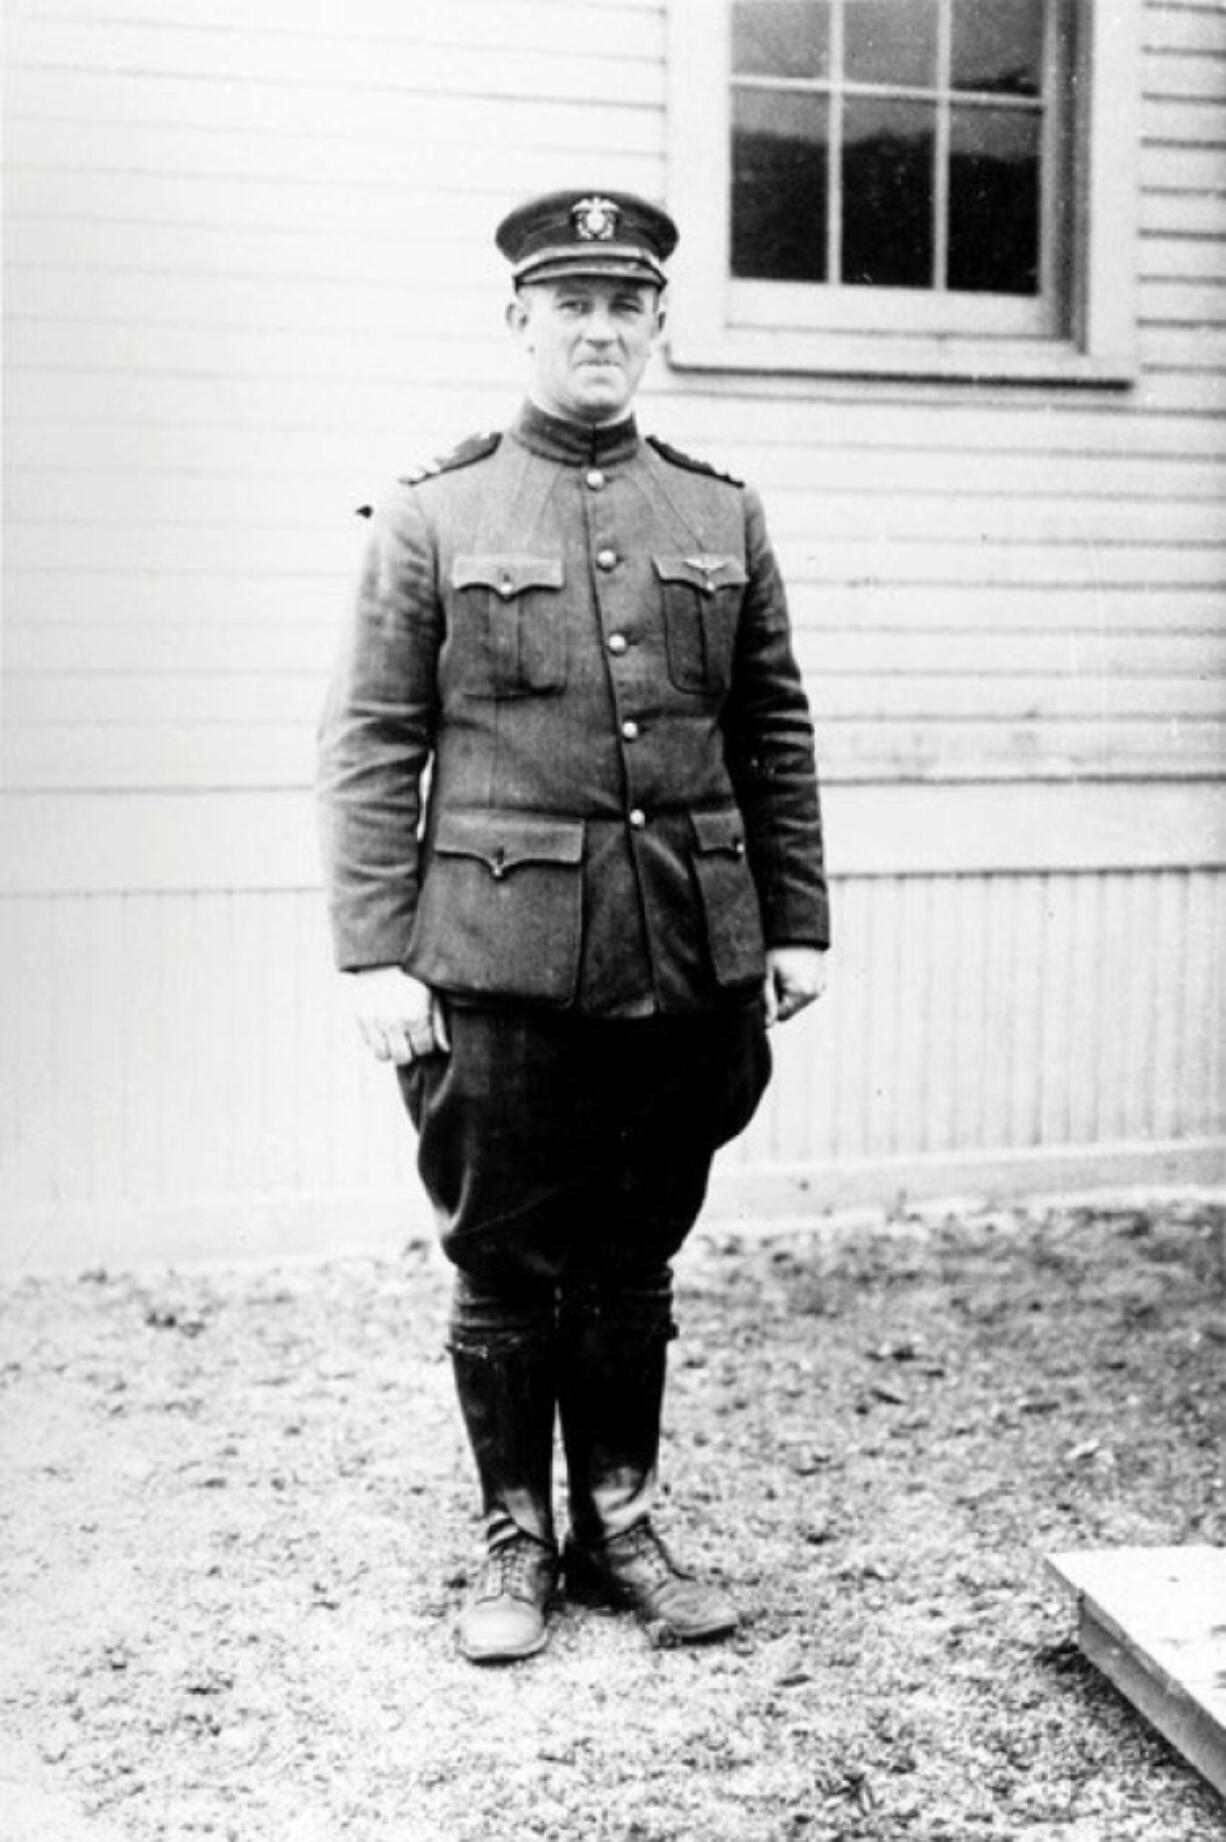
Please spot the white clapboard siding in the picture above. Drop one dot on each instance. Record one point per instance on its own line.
(155, 348)
(1174, 76)
(463, 21)
(249, 279)
(1059, 618)
(337, 68)
(577, 25)
(1191, 214)
(1185, 26)
(92, 429)
(299, 649)
(875, 553)
(166, 474)
(112, 510)
(924, 418)
(124, 756)
(580, 129)
(609, 29)
(225, 700)
(245, 838)
(452, 206)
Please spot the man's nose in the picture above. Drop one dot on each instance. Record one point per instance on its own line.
(600, 329)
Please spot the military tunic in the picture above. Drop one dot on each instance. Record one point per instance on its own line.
(584, 635)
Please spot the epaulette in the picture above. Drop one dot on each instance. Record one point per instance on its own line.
(476, 448)
(678, 459)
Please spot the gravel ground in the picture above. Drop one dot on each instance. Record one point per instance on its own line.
(240, 1514)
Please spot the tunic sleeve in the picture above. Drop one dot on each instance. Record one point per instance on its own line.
(770, 754)
(376, 736)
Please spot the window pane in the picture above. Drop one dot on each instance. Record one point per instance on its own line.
(781, 38)
(887, 193)
(998, 45)
(891, 41)
(779, 158)
(994, 201)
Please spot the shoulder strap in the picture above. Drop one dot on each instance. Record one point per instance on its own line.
(667, 452)
(475, 448)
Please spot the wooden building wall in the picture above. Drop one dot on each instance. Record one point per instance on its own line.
(248, 278)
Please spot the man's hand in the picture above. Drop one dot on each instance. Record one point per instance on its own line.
(795, 977)
(399, 1017)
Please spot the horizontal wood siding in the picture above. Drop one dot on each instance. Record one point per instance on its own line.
(249, 278)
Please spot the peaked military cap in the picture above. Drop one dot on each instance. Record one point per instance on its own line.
(587, 233)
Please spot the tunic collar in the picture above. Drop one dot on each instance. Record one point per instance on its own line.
(572, 443)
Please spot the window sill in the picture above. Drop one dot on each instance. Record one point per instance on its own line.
(918, 356)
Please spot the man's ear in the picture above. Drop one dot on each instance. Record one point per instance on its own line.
(517, 316)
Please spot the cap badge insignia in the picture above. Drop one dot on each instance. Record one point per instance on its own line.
(595, 219)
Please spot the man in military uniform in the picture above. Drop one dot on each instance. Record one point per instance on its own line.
(574, 952)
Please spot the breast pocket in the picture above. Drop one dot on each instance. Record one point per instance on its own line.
(509, 625)
(702, 601)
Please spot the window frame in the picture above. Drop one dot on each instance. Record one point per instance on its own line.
(721, 322)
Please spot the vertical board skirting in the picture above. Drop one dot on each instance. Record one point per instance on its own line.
(172, 1048)
(973, 1012)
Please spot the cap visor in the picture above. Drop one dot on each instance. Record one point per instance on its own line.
(622, 265)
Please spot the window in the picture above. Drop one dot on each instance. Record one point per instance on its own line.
(926, 186)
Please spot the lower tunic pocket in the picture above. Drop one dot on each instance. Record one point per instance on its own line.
(729, 897)
(501, 906)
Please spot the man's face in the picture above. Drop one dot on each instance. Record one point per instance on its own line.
(588, 340)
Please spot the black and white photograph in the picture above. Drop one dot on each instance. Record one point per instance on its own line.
(613, 921)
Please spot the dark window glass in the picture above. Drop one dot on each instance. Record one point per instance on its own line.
(781, 38)
(997, 45)
(779, 160)
(888, 150)
(888, 96)
(890, 41)
(994, 201)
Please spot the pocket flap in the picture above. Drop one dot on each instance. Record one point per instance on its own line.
(501, 840)
(703, 570)
(719, 831)
(508, 576)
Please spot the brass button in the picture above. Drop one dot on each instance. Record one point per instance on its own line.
(630, 729)
(638, 818)
(595, 479)
(606, 559)
(617, 642)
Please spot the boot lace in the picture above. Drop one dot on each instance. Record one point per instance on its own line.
(647, 1546)
(510, 1571)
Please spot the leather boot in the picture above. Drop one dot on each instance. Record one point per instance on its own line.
(611, 1392)
(507, 1397)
